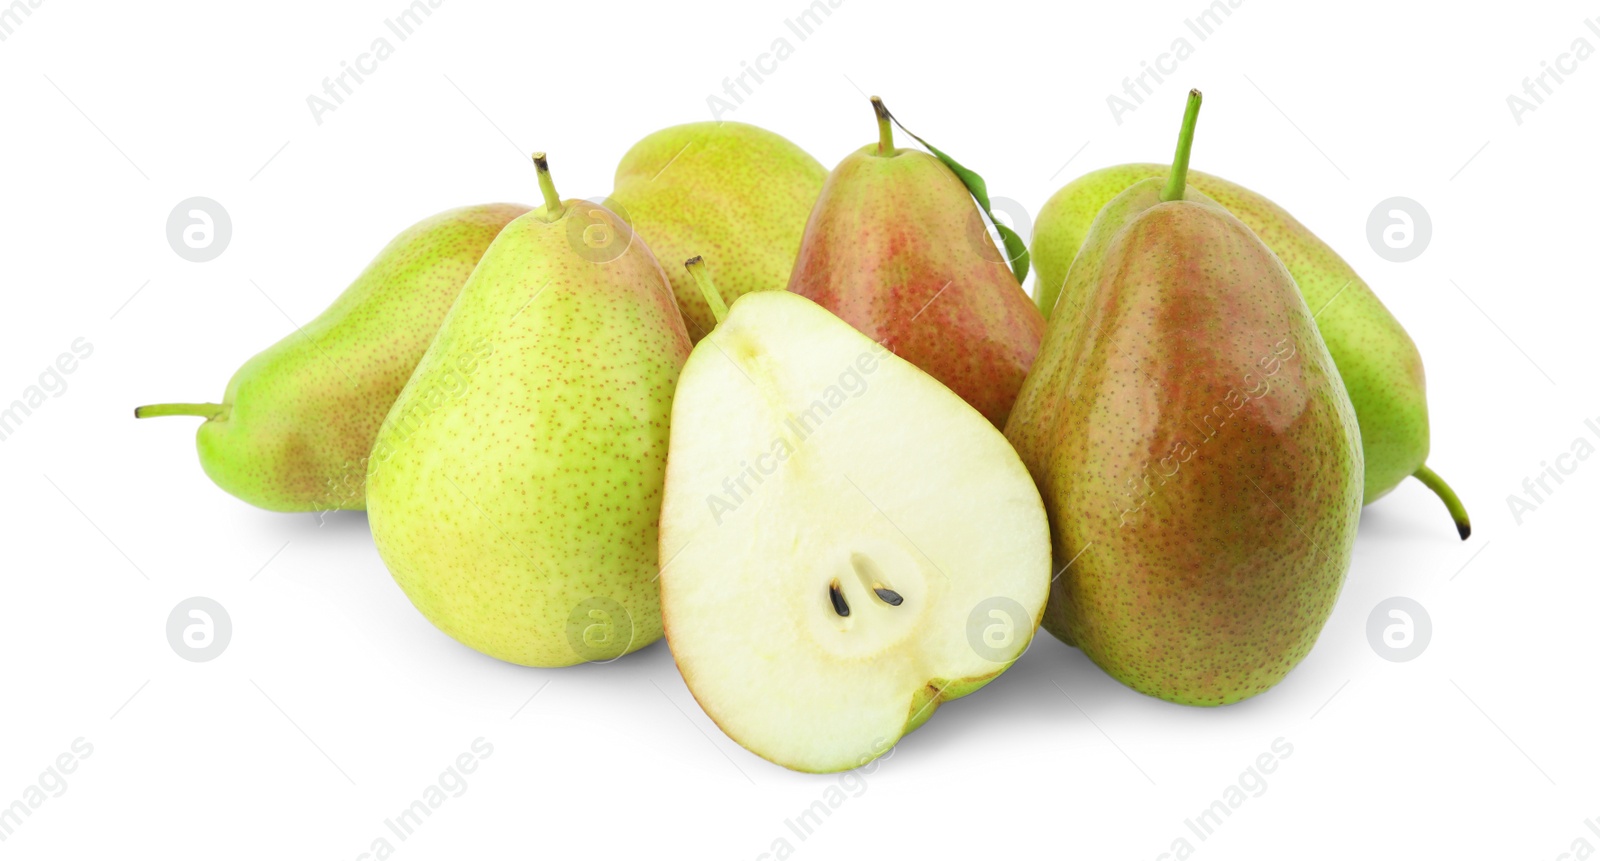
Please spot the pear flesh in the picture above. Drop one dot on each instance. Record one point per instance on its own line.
(515, 484)
(845, 542)
(1197, 453)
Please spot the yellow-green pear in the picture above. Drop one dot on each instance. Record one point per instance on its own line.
(296, 422)
(733, 192)
(515, 486)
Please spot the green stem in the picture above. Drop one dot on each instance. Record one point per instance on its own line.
(1180, 159)
(1458, 512)
(552, 201)
(697, 269)
(205, 411)
(885, 130)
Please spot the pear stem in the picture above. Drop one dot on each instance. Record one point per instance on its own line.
(1458, 512)
(1180, 160)
(697, 269)
(552, 201)
(205, 411)
(885, 130)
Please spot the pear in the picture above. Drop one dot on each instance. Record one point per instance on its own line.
(896, 247)
(846, 543)
(514, 488)
(1198, 456)
(297, 421)
(1381, 367)
(731, 191)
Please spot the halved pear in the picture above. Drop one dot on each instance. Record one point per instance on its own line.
(845, 542)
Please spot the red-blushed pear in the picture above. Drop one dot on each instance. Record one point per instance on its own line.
(515, 485)
(297, 421)
(897, 248)
(1196, 450)
(845, 543)
(1380, 365)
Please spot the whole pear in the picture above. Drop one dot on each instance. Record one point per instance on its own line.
(1199, 459)
(515, 486)
(297, 421)
(897, 248)
(734, 192)
(1381, 367)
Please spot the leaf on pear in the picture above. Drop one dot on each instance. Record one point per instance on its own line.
(1016, 249)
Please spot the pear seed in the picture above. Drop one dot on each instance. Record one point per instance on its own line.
(839, 606)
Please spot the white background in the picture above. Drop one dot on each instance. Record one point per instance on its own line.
(336, 704)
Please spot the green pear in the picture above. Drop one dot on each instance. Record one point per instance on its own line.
(514, 487)
(297, 421)
(846, 543)
(1380, 365)
(734, 192)
(1198, 456)
(896, 247)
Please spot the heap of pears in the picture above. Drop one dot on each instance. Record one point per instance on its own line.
(808, 426)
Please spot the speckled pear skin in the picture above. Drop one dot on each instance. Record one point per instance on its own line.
(515, 486)
(735, 193)
(298, 419)
(1381, 367)
(1198, 457)
(897, 248)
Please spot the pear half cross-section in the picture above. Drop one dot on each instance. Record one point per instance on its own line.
(845, 542)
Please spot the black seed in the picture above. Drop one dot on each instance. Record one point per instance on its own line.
(839, 606)
(889, 596)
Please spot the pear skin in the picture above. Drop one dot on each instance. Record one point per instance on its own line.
(1381, 367)
(898, 249)
(297, 421)
(515, 487)
(736, 193)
